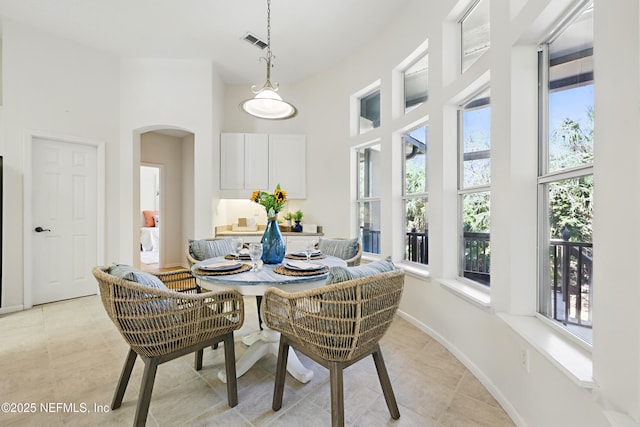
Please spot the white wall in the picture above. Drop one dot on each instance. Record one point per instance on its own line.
(94, 96)
(162, 93)
(61, 88)
(545, 395)
(616, 338)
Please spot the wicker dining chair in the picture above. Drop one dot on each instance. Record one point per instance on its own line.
(336, 326)
(161, 324)
(201, 249)
(348, 249)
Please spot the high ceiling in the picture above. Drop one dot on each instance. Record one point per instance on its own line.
(306, 35)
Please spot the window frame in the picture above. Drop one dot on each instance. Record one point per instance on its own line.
(468, 12)
(421, 195)
(360, 200)
(545, 177)
(422, 55)
(370, 92)
(462, 191)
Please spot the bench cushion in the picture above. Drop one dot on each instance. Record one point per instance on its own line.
(341, 274)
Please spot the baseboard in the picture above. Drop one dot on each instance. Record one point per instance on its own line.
(11, 309)
(484, 380)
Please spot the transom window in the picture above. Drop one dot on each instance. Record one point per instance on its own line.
(369, 111)
(474, 33)
(416, 79)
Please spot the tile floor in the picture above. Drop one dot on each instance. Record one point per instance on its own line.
(70, 353)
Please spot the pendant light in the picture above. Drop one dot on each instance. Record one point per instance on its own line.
(267, 104)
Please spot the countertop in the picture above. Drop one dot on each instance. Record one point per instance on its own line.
(225, 231)
(229, 233)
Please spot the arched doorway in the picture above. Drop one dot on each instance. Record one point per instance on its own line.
(170, 150)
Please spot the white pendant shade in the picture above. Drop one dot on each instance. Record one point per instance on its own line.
(267, 104)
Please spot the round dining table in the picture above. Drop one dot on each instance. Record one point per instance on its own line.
(255, 283)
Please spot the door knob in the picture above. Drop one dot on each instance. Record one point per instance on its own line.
(40, 229)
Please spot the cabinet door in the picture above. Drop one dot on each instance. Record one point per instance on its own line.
(256, 163)
(232, 155)
(288, 164)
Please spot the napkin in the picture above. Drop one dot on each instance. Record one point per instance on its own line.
(303, 265)
(219, 264)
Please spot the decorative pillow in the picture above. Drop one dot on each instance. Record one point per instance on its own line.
(131, 274)
(156, 220)
(341, 248)
(205, 249)
(154, 306)
(341, 274)
(148, 218)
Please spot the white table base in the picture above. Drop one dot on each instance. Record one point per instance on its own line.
(260, 344)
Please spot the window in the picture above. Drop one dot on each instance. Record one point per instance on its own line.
(565, 181)
(474, 33)
(369, 197)
(474, 181)
(415, 195)
(370, 111)
(416, 78)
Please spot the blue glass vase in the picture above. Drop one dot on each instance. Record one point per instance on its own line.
(272, 243)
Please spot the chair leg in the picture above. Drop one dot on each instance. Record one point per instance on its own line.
(144, 399)
(385, 382)
(124, 379)
(230, 367)
(197, 364)
(337, 394)
(258, 303)
(281, 372)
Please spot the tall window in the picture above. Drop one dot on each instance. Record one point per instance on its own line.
(369, 197)
(370, 111)
(565, 181)
(474, 182)
(474, 33)
(415, 195)
(416, 79)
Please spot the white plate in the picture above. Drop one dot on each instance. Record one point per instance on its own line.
(313, 254)
(303, 265)
(220, 266)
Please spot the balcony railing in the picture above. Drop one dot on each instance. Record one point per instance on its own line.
(571, 275)
(370, 240)
(417, 247)
(477, 257)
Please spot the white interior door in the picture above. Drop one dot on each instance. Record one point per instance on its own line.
(64, 218)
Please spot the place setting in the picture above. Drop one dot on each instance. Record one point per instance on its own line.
(216, 267)
(295, 267)
(239, 252)
(308, 253)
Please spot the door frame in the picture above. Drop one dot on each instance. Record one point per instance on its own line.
(160, 168)
(30, 137)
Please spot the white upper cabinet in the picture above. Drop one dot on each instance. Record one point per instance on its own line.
(288, 164)
(251, 161)
(243, 164)
(256, 167)
(231, 157)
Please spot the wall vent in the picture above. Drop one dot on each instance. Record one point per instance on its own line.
(254, 40)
